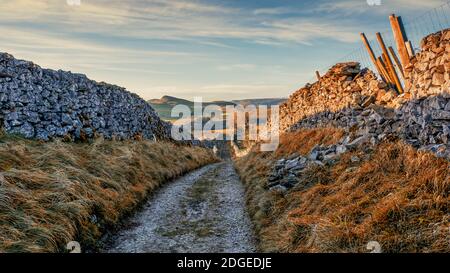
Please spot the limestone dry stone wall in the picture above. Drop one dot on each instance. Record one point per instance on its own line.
(429, 72)
(344, 85)
(43, 104)
(355, 100)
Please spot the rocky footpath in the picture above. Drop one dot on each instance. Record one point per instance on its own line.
(355, 100)
(44, 104)
(203, 211)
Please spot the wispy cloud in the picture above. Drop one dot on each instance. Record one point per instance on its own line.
(289, 30)
(386, 7)
(170, 20)
(233, 67)
(243, 88)
(273, 11)
(189, 46)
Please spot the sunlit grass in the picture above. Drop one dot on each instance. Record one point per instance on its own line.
(52, 193)
(394, 195)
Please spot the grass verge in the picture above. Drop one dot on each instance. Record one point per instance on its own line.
(393, 194)
(52, 193)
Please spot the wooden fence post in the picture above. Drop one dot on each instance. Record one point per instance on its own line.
(400, 39)
(372, 56)
(389, 63)
(397, 61)
(410, 49)
(383, 70)
(318, 75)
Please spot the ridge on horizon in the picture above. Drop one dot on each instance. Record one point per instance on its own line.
(164, 105)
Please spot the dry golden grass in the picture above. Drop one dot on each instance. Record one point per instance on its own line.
(304, 140)
(395, 195)
(52, 193)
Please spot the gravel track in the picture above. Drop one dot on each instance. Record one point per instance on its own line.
(201, 212)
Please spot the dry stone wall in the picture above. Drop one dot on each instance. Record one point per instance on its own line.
(44, 104)
(354, 99)
(345, 85)
(429, 72)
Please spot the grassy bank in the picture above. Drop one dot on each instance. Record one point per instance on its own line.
(393, 194)
(52, 193)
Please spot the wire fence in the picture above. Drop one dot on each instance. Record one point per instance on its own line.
(415, 28)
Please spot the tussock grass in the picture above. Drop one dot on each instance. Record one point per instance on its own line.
(395, 195)
(56, 192)
(304, 140)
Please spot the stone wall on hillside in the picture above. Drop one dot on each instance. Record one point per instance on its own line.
(429, 72)
(43, 104)
(423, 123)
(355, 100)
(344, 85)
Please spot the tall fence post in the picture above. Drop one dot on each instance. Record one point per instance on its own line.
(384, 71)
(400, 39)
(397, 61)
(389, 63)
(372, 56)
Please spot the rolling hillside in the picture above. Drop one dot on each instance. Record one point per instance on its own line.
(164, 105)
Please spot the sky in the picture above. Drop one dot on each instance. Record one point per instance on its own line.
(219, 50)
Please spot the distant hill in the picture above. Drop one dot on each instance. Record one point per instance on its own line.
(268, 102)
(169, 100)
(164, 105)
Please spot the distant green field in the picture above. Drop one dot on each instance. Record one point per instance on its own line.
(164, 105)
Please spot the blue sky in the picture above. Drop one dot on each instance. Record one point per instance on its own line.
(229, 49)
